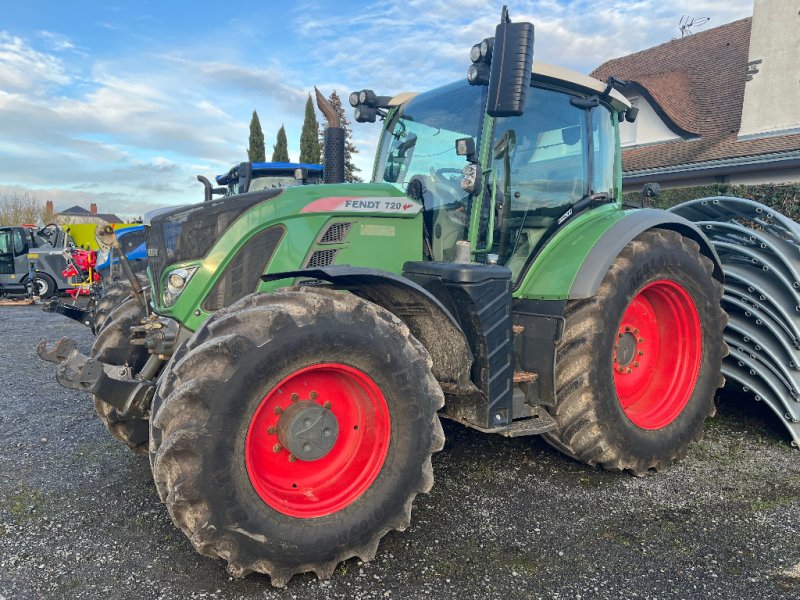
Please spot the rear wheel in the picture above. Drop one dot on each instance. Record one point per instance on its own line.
(294, 430)
(112, 345)
(639, 363)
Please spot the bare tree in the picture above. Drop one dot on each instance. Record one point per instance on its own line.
(18, 209)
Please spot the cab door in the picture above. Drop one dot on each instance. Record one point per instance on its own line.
(546, 164)
(20, 250)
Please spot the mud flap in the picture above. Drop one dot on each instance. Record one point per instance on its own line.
(759, 249)
(113, 383)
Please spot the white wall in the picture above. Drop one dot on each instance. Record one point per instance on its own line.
(772, 97)
(648, 127)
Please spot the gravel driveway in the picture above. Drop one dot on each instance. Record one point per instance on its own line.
(507, 518)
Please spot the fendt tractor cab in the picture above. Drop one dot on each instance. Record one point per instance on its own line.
(288, 367)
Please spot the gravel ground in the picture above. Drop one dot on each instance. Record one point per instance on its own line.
(80, 518)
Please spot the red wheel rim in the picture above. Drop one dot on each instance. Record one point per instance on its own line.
(315, 488)
(657, 354)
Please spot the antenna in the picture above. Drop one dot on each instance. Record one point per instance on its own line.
(686, 23)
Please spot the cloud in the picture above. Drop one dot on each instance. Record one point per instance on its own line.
(134, 125)
(24, 69)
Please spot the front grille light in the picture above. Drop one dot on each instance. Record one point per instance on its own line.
(176, 283)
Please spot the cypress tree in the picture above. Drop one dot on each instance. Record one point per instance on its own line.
(256, 151)
(350, 169)
(280, 151)
(309, 142)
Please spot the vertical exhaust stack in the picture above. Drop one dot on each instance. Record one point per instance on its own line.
(333, 142)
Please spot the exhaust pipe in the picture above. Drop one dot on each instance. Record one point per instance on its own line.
(333, 142)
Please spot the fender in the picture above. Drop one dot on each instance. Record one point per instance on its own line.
(425, 315)
(574, 262)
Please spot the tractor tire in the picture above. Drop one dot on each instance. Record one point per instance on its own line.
(43, 285)
(113, 295)
(639, 363)
(112, 345)
(248, 483)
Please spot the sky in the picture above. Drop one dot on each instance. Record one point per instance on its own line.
(124, 103)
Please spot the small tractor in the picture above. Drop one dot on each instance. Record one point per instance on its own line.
(288, 367)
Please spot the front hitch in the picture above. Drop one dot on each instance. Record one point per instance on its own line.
(59, 353)
(115, 384)
(84, 316)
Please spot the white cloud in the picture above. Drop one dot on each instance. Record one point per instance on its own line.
(116, 129)
(24, 69)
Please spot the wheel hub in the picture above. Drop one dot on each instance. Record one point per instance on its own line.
(308, 430)
(626, 349)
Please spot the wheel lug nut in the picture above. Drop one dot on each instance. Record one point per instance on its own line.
(636, 331)
(636, 364)
(277, 448)
(313, 395)
(641, 340)
(327, 404)
(619, 335)
(627, 370)
(616, 359)
(627, 328)
(295, 397)
(292, 458)
(641, 353)
(271, 431)
(278, 410)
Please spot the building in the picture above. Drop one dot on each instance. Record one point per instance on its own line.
(719, 106)
(78, 214)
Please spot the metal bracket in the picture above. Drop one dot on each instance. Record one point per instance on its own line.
(84, 316)
(113, 383)
(59, 353)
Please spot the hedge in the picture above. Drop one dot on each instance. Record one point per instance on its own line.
(783, 198)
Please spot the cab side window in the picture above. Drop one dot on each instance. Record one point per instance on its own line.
(20, 247)
(539, 169)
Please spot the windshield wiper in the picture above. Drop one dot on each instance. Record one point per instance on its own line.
(590, 200)
(584, 203)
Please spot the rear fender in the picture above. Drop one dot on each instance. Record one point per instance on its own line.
(574, 262)
(607, 248)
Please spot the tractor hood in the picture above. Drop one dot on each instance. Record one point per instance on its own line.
(247, 235)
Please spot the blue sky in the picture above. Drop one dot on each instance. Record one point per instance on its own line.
(123, 103)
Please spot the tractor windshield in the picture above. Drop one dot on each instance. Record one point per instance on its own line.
(420, 143)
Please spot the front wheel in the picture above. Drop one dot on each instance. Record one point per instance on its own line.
(639, 363)
(294, 430)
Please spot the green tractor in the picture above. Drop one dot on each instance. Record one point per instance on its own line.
(298, 347)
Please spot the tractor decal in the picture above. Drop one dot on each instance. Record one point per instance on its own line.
(363, 204)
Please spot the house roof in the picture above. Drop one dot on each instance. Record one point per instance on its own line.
(697, 82)
(75, 210)
(79, 211)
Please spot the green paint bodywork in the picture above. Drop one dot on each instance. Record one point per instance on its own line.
(377, 240)
(383, 241)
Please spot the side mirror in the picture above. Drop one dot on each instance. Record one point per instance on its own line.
(651, 190)
(512, 62)
(631, 114)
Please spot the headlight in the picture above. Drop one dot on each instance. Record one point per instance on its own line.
(472, 179)
(475, 53)
(176, 282)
